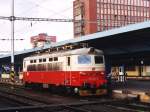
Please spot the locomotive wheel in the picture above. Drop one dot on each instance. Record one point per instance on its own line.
(101, 92)
(69, 91)
(53, 89)
(26, 84)
(61, 89)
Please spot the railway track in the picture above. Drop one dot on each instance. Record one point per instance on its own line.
(77, 107)
(47, 97)
(22, 99)
(31, 103)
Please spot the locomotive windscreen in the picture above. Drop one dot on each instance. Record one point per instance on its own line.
(98, 59)
(84, 59)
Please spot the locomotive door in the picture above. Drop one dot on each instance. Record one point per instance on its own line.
(68, 71)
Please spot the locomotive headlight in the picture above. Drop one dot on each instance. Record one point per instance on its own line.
(102, 73)
(76, 90)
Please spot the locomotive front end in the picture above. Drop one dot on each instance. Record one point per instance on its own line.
(93, 83)
(91, 68)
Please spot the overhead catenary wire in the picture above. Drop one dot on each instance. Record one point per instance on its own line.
(39, 4)
(30, 9)
(55, 13)
(6, 39)
(50, 10)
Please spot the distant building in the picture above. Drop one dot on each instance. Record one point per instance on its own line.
(100, 15)
(42, 39)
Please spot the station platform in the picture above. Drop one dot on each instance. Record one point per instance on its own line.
(139, 78)
(132, 88)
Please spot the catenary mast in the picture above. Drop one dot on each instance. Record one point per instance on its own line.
(12, 19)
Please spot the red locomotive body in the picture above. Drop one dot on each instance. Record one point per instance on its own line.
(80, 70)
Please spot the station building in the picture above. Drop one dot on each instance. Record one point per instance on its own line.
(98, 15)
(42, 39)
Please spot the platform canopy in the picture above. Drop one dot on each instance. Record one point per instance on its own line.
(124, 40)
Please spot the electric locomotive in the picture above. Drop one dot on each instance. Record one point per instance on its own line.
(79, 71)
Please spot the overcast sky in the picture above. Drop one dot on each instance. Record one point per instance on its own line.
(58, 9)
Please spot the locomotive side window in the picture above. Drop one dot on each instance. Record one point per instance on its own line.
(44, 59)
(84, 59)
(40, 60)
(98, 59)
(55, 58)
(34, 61)
(31, 61)
(50, 59)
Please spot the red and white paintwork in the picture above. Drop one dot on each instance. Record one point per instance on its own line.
(75, 75)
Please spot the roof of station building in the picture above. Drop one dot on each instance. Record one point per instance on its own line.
(127, 39)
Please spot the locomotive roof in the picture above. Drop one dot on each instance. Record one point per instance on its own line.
(81, 51)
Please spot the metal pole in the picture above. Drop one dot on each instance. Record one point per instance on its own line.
(12, 19)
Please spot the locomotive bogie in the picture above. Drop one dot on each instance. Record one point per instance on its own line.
(97, 92)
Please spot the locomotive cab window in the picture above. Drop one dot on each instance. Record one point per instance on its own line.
(98, 59)
(84, 59)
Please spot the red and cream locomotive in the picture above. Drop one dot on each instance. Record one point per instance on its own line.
(80, 70)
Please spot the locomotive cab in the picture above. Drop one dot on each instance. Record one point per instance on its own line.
(91, 74)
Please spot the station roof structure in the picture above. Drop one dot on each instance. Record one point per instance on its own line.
(129, 39)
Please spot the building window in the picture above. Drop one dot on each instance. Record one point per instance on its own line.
(98, 28)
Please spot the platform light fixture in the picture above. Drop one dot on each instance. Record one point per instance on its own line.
(142, 62)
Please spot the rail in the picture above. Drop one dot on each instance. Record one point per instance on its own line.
(33, 104)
